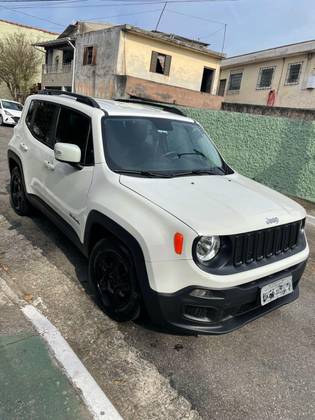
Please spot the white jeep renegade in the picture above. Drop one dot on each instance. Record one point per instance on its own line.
(168, 227)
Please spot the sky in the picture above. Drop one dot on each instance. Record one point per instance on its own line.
(251, 25)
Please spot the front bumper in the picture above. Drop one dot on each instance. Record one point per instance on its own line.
(223, 311)
(10, 120)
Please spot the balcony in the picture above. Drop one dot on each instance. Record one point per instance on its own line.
(57, 75)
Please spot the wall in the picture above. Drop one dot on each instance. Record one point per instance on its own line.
(186, 66)
(295, 96)
(34, 35)
(147, 90)
(278, 152)
(98, 80)
(275, 111)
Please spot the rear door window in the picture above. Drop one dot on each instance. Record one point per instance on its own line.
(76, 128)
(41, 120)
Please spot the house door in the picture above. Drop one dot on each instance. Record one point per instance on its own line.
(207, 79)
(221, 89)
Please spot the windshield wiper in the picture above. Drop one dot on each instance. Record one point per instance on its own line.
(195, 152)
(199, 172)
(148, 174)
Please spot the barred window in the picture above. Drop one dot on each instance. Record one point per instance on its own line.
(235, 81)
(293, 74)
(265, 77)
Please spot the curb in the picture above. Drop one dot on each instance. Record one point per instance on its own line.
(92, 395)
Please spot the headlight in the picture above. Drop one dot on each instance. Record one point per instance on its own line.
(8, 113)
(207, 248)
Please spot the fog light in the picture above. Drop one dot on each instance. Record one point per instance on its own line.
(201, 293)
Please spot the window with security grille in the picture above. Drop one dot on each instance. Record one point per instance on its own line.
(235, 81)
(293, 74)
(265, 77)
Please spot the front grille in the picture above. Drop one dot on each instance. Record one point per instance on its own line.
(16, 119)
(263, 244)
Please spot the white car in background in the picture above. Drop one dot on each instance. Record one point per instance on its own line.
(10, 112)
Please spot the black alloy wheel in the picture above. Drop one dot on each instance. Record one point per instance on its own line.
(18, 197)
(113, 280)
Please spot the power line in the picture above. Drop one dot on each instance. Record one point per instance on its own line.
(122, 15)
(35, 17)
(69, 4)
(195, 17)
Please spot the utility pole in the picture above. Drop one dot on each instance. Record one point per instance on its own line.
(160, 17)
(73, 64)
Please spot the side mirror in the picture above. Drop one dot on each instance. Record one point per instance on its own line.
(66, 152)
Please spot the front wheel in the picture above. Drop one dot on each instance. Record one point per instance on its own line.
(113, 280)
(18, 197)
(1, 120)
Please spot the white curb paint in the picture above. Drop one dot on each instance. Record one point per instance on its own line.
(93, 396)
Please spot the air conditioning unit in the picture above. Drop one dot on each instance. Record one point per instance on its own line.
(310, 84)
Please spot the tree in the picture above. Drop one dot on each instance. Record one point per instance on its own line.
(19, 64)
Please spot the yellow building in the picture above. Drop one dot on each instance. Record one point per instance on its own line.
(124, 61)
(282, 76)
(33, 34)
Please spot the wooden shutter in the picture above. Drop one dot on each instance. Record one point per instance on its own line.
(154, 57)
(94, 56)
(167, 67)
(85, 56)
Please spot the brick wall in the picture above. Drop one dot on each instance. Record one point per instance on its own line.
(146, 89)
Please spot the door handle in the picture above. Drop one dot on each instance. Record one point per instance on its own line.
(23, 147)
(49, 165)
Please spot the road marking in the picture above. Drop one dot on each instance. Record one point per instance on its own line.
(94, 398)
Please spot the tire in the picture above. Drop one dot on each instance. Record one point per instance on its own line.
(113, 280)
(1, 120)
(18, 198)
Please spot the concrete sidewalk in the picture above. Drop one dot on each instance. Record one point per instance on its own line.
(32, 384)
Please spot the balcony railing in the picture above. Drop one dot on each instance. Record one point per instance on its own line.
(57, 69)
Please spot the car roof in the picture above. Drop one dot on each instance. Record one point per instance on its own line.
(118, 108)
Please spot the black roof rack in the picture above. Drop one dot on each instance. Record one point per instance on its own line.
(87, 100)
(167, 108)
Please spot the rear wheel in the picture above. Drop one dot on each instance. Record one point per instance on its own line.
(113, 280)
(18, 197)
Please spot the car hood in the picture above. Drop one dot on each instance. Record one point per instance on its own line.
(13, 112)
(217, 205)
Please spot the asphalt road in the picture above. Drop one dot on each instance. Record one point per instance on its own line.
(264, 370)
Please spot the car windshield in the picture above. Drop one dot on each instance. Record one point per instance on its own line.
(12, 105)
(159, 147)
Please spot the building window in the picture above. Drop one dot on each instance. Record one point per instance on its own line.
(235, 81)
(207, 79)
(160, 63)
(89, 56)
(265, 77)
(293, 74)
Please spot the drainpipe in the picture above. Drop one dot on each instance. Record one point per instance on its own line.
(73, 64)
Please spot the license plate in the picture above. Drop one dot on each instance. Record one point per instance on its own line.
(276, 290)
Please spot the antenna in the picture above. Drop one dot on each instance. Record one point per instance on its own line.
(160, 17)
(224, 35)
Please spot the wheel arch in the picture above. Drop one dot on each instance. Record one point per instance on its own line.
(98, 225)
(13, 161)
